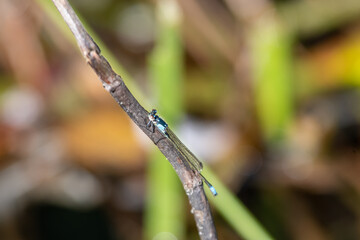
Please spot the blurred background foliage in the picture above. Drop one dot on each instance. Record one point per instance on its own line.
(265, 92)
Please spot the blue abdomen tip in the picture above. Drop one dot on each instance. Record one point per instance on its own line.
(213, 191)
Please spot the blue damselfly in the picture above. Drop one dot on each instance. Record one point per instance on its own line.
(193, 162)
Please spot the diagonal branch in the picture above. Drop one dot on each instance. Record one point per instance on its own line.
(114, 84)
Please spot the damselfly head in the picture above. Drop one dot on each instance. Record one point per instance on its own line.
(152, 115)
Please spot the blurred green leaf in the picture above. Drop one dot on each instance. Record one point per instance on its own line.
(165, 209)
(52, 13)
(233, 211)
(272, 68)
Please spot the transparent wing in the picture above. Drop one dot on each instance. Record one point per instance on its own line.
(194, 163)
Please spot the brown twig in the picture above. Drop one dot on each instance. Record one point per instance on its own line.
(114, 84)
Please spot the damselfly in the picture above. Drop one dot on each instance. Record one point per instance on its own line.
(193, 162)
